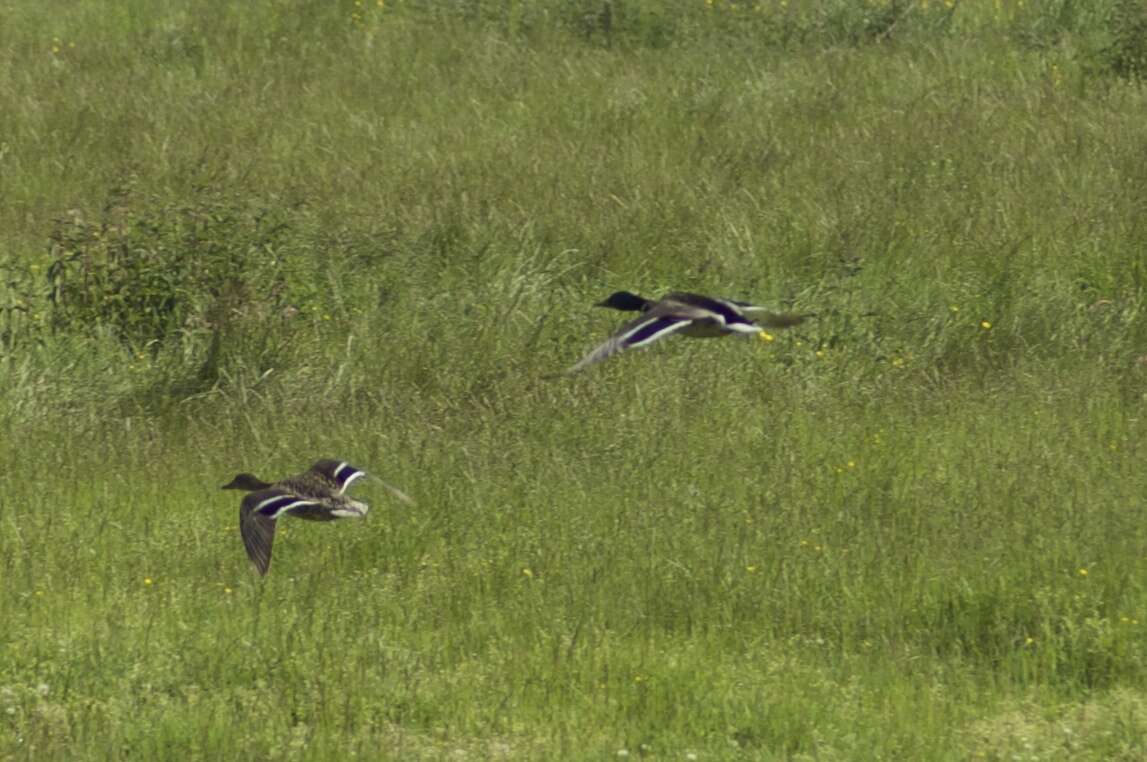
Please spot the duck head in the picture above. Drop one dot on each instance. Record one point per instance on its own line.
(626, 301)
(248, 482)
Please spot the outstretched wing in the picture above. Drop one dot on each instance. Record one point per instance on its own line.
(739, 316)
(395, 491)
(258, 528)
(722, 309)
(337, 473)
(637, 333)
(258, 515)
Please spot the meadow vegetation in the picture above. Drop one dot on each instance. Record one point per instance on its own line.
(245, 238)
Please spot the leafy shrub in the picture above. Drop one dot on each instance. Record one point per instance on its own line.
(216, 287)
(1125, 52)
(156, 272)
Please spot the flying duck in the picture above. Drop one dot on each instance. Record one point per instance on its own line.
(688, 314)
(317, 494)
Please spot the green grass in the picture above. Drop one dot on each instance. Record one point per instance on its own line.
(910, 529)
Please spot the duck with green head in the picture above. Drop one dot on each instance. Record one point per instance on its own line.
(317, 494)
(685, 313)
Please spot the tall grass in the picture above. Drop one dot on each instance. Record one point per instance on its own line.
(243, 240)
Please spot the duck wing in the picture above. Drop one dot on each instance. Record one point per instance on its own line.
(395, 491)
(335, 475)
(738, 316)
(721, 312)
(257, 529)
(657, 323)
(258, 515)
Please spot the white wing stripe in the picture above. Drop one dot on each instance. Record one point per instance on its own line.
(288, 504)
(351, 478)
(671, 325)
(346, 482)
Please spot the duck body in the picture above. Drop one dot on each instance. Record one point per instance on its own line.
(317, 494)
(688, 314)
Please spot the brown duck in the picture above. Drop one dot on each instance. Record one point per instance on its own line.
(317, 494)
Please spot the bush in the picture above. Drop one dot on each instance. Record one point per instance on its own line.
(1125, 53)
(157, 272)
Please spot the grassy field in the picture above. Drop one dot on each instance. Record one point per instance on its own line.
(912, 528)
